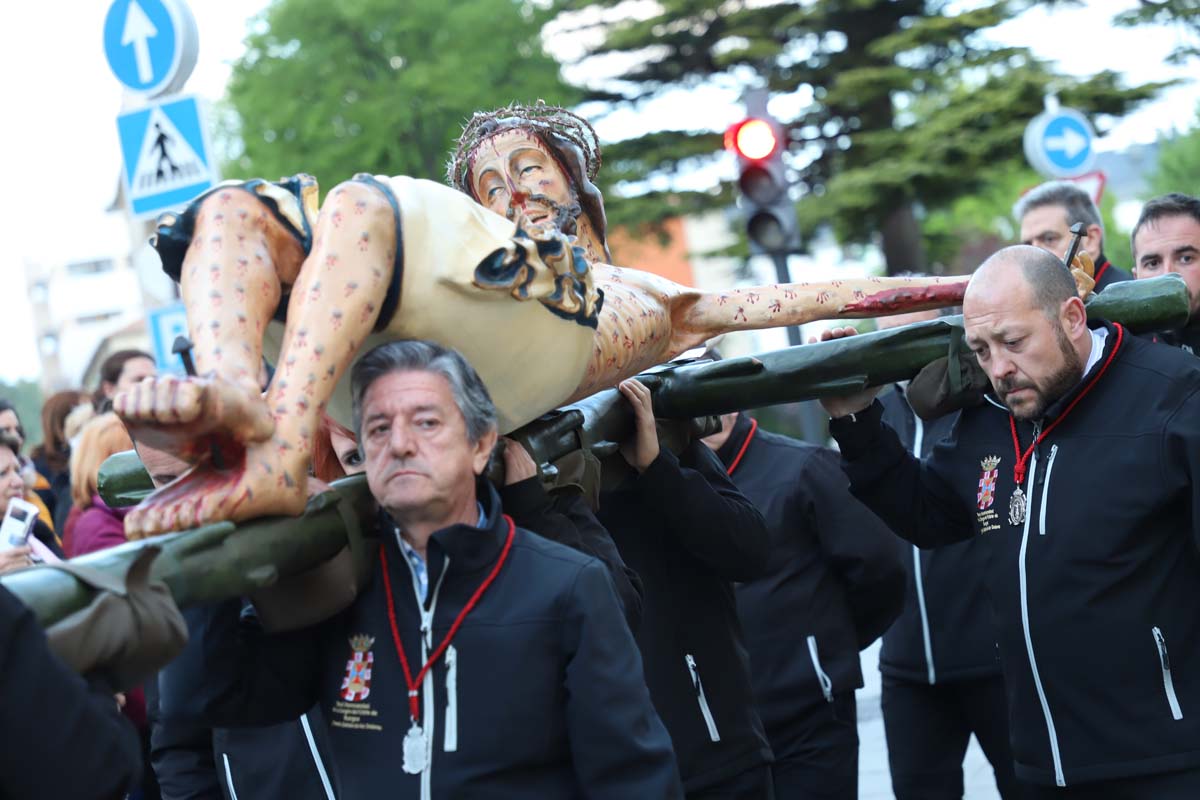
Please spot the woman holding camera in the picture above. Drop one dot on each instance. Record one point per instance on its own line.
(12, 487)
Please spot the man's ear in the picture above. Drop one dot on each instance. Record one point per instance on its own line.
(482, 451)
(1074, 316)
(1094, 238)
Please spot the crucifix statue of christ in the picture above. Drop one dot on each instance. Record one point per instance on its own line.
(509, 265)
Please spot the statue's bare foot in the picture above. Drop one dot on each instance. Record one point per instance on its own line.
(188, 416)
(261, 480)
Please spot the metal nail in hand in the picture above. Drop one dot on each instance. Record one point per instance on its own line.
(182, 346)
(1077, 231)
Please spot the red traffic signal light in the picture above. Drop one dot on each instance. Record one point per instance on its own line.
(753, 139)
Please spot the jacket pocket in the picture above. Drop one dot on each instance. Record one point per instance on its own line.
(450, 742)
(822, 677)
(705, 711)
(1164, 661)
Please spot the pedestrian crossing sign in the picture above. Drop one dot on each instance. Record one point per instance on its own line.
(168, 160)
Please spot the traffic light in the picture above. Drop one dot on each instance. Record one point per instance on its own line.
(759, 141)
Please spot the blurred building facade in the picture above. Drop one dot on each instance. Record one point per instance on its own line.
(76, 305)
(85, 308)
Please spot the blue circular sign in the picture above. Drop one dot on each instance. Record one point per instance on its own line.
(1060, 143)
(150, 44)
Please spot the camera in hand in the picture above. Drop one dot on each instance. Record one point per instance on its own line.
(18, 523)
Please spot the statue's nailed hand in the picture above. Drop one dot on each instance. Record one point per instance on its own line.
(845, 405)
(641, 450)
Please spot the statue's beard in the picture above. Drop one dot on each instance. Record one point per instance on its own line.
(563, 217)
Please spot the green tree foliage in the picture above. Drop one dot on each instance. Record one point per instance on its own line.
(379, 86)
(1178, 167)
(906, 105)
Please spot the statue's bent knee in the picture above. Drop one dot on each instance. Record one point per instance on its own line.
(292, 201)
(380, 199)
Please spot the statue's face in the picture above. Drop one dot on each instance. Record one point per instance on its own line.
(514, 172)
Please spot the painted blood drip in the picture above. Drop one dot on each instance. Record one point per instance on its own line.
(909, 299)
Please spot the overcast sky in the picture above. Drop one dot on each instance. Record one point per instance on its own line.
(60, 160)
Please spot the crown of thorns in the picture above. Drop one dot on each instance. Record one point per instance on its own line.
(538, 118)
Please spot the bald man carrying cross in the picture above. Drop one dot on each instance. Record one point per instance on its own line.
(1080, 472)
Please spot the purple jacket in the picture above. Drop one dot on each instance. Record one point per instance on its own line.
(97, 527)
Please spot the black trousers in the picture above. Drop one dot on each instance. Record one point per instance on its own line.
(753, 784)
(816, 752)
(928, 729)
(1183, 785)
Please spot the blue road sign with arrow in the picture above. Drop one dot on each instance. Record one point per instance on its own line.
(1059, 143)
(150, 45)
(167, 158)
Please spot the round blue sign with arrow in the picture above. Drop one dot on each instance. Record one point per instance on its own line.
(151, 45)
(1059, 143)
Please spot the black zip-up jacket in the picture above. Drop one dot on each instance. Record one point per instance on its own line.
(563, 517)
(289, 760)
(1095, 586)
(1186, 339)
(946, 631)
(1108, 273)
(540, 694)
(196, 762)
(61, 736)
(688, 532)
(292, 759)
(835, 579)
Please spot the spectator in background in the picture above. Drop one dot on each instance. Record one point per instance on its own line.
(1046, 214)
(120, 371)
(52, 457)
(1166, 239)
(73, 425)
(93, 525)
(10, 423)
(12, 485)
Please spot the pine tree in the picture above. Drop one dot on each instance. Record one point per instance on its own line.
(906, 103)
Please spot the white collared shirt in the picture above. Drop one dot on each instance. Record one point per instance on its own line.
(1098, 337)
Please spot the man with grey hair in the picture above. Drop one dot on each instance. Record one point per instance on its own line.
(1092, 573)
(481, 660)
(1046, 214)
